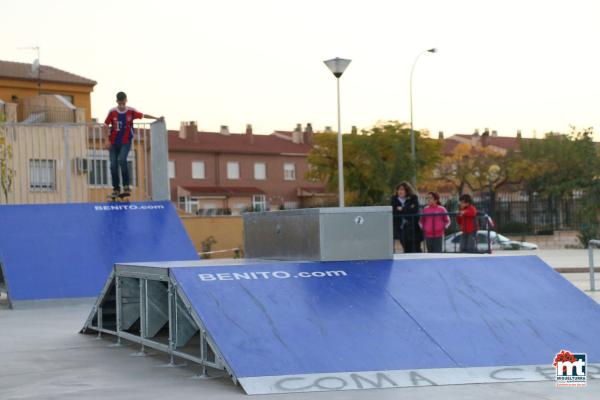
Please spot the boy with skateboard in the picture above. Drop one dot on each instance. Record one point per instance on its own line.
(120, 121)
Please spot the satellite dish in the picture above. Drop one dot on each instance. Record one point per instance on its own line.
(35, 67)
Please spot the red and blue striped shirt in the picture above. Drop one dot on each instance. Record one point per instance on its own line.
(121, 123)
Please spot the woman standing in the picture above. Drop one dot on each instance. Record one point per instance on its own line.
(405, 210)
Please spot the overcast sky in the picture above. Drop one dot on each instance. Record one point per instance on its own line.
(505, 65)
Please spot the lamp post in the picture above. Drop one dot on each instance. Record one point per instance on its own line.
(413, 148)
(337, 66)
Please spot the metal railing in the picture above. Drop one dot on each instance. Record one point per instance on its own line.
(591, 244)
(441, 233)
(520, 213)
(46, 114)
(65, 163)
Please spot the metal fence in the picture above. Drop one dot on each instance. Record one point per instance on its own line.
(37, 114)
(64, 163)
(441, 233)
(519, 213)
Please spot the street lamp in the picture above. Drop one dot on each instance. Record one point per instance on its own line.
(337, 66)
(413, 149)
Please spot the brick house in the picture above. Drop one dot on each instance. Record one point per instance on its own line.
(223, 172)
(19, 84)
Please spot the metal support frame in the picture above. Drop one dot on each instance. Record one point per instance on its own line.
(591, 244)
(206, 344)
(143, 317)
(172, 325)
(119, 309)
(4, 282)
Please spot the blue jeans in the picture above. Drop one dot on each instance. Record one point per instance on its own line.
(118, 160)
(468, 243)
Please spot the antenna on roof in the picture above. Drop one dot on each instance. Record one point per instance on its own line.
(35, 66)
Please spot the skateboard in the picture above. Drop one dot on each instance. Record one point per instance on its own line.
(121, 197)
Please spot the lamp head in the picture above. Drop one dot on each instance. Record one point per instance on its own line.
(337, 65)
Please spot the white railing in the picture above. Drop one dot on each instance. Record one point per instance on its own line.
(64, 163)
(591, 244)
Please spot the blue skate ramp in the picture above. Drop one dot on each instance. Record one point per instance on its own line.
(284, 327)
(61, 251)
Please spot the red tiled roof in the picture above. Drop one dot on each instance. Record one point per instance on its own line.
(305, 191)
(285, 133)
(222, 190)
(314, 189)
(16, 70)
(502, 142)
(213, 142)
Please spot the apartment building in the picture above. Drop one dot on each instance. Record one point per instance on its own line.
(224, 172)
(21, 81)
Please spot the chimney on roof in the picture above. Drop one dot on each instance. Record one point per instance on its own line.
(328, 129)
(495, 133)
(249, 134)
(354, 130)
(441, 135)
(308, 133)
(485, 137)
(224, 130)
(519, 135)
(297, 135)
(188, 129)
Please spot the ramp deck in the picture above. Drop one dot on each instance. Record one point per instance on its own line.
(64, 251)
(279, 327)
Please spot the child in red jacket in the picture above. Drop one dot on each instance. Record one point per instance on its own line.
(466, 219)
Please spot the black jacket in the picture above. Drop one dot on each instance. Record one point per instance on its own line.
(401, 221)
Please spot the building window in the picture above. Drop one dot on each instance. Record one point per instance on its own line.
(171, 169)
(67, 97)
(259, 202)
(290, 205)
(289, 172)
(198, 170)
(42, 175)
(189, 204)
(99, 168)
(260, 171)
(233, 170)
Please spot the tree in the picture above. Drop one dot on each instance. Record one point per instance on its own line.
(560, 164)
(590, 214)
(374, 161)
(454, 169)
(7, 174)
(478, 168)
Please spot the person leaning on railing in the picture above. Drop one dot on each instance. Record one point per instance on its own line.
(467, 220)
(405, 210)
(118, 142)
(434, 221)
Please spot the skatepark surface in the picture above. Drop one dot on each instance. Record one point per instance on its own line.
(43, 357)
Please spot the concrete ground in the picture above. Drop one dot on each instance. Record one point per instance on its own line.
(43, 357)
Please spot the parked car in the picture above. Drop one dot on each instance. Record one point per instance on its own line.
(499, 242)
